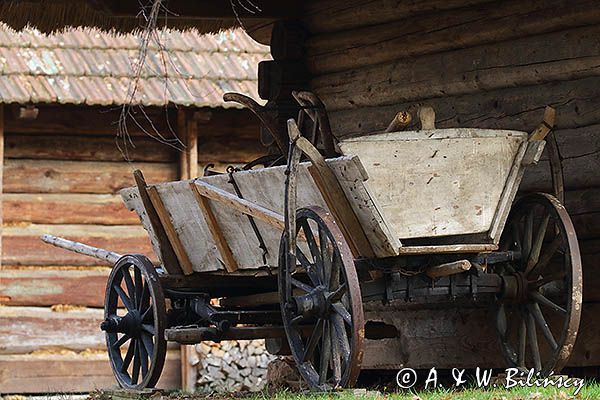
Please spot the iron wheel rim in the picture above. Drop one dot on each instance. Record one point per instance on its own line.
(146, 322)
(523, 325)
(344, 314)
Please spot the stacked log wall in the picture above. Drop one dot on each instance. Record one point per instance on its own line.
(479, 64)
(62, 172)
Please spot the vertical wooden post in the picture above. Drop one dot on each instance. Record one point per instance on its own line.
(188, 168)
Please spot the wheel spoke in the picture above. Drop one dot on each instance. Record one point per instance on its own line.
(527, 235)
(546, 256)
(149, 329)
(312, 243)
(128, 283)
(534, 254)
(301, 285)
(145, 298)
(310, 268)
(124, 298)
(342, 312)
(325, 353)
(543, 300)
(121, 341)
(148, 344)
(335, 356)
(522, 340)
(342, 336)
(147, 313)
(546, 280)
(139, 285)
(325, 256)
(313, 340)
(128, 356)
(136, 362)
(533, 342)
(334, 297)
(501, 324)
(143, 358)
(534, 309)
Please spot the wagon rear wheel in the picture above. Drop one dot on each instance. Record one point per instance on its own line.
(134, 322)
(321, 302)
(538, 322)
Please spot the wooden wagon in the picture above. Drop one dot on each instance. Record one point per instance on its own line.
(424, 217)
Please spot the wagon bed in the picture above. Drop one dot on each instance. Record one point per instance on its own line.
(401, 186)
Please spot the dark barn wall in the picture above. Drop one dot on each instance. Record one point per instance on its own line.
(479, 63)
(62, 172)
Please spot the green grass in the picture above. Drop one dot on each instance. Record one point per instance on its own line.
(590, 391)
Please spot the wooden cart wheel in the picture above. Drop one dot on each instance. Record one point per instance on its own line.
(321, 302)
(134, 322)
(539, 320)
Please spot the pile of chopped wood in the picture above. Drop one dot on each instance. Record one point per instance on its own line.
(232, 365)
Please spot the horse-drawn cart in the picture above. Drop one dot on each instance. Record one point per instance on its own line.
(293, 251)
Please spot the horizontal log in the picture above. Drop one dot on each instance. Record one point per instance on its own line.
(522, 62)
(576, 103)
(66, 119)
(47, 286)
(466, 337)
(22, 245)
(27, 329)
(211, 150)
(51, 176)
(66, 208)
(443, 31)
(339, 15)
(86, 148)
(71, 373)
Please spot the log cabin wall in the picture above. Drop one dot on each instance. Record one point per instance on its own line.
(62, 172)
(479, 63)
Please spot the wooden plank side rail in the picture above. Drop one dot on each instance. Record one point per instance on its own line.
(165, 219)
(242, 205)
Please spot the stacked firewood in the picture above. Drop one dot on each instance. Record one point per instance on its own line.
(231, 366)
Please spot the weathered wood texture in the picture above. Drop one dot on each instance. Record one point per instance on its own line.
(337, 15)
(86, 148)
(54, 176)
(443, 31)
(66, 373)
(35, 286)
(66, 208)
(23, 245)
(526, 61)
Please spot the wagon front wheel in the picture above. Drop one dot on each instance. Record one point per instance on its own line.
(538, 319)
(134, 322)
(321, 302)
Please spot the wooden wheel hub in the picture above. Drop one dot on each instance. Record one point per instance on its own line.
(312, 304)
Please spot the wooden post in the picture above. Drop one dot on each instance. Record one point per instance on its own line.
(187, 130)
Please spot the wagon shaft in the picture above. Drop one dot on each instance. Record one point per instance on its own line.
(109, 256)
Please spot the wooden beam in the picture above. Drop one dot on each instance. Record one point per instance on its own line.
(336, 200)
(69, 373)
(57, 208)
(60, 176)
(22, 244)
(167, 256)
(242, 205)
(217, 234)
(46, 286)
(447, 269)
(165, 219)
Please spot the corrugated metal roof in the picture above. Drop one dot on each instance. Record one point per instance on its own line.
(88, 66)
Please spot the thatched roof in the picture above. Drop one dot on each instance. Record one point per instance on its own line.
(206, 16)
(89, 66)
